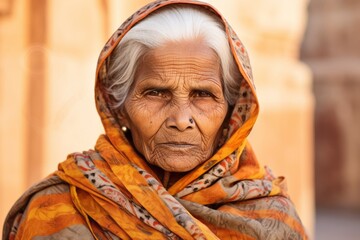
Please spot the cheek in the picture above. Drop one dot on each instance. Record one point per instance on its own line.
(210, 123)
(137, 113)
(143, 123)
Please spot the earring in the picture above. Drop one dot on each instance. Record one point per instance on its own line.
(124, 129)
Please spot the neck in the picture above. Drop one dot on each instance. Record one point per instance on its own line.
(168, 178)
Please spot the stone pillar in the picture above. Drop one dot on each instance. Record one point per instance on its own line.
(332, 50)
(35, 72)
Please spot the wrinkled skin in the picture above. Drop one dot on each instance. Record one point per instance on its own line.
(176, 107)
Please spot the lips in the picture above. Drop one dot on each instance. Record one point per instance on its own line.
(177, 145)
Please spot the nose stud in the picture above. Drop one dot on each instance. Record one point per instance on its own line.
(191, 120)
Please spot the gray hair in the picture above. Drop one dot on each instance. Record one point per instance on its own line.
(165, 25)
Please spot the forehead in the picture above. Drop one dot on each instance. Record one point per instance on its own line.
(183, 56)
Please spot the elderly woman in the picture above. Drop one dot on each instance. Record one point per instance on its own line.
(175, 94)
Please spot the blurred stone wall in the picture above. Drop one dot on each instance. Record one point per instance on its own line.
(332, 50)
(48, 54)
(12, 98)
(72, 38)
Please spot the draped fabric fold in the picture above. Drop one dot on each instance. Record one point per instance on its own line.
(112, 193)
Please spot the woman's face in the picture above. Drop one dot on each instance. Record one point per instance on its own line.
(176, 107)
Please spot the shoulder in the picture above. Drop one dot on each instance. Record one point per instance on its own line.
(274, 217)
(45, 209)
(262, 218)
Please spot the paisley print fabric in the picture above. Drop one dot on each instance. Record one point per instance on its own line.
(112, 193)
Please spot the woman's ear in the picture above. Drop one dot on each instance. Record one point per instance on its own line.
(123, 117)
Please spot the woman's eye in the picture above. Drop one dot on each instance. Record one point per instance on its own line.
(156, 93)
(201, 93)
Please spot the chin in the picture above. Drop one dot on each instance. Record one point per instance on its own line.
(177, 160)
(178, 166)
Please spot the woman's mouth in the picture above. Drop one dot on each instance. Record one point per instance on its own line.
(177, 145)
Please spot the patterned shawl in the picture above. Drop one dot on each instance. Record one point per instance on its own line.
(112, 193)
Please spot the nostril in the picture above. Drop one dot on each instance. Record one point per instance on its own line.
(180, 123)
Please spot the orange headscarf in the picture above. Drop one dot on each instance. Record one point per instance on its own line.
(114, 193)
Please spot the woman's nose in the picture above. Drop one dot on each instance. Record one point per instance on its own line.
(180, 118)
